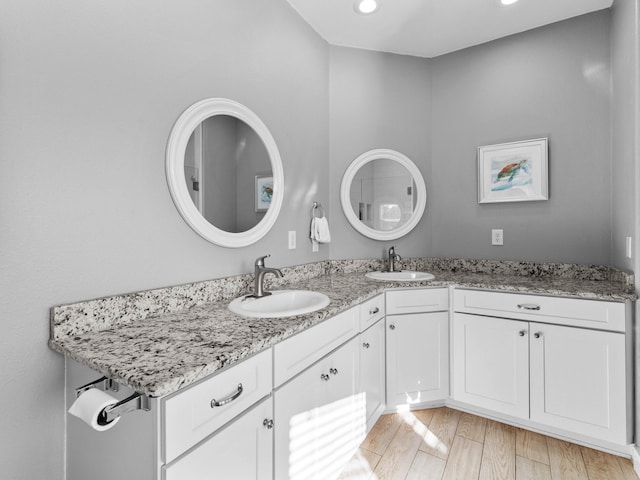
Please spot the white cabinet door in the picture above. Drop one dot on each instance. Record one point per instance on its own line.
(578, 380)
(243, 449)
(491, 363)
(372, 371)
(319, 417)
(417, 358)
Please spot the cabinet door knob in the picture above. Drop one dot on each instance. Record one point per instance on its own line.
(522, 333)
(230, 398)
(324, 377)
(333, 371)
(366, 345)
(537, 335)
(392, 327)
(268, 423)
(374, 311)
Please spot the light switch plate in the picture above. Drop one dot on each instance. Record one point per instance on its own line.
(629, 247)
(292, 239)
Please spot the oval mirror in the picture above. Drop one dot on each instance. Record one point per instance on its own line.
(224, 172)
(383, 194)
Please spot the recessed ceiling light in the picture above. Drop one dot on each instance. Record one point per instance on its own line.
(365, 7)
(508, 2)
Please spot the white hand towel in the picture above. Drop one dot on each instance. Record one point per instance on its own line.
(320, 230)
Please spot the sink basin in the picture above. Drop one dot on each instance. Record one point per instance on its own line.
(281, 303)
(401, 276)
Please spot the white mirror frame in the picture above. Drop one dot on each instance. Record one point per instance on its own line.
(178, 139)
(345, 189)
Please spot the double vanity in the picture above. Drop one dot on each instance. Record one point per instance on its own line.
(203, 379)
(544, 347)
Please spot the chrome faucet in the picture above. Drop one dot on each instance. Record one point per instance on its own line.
(260, 272)
(393, 258)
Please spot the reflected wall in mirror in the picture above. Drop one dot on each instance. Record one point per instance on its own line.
(224, 172)
(383, 194)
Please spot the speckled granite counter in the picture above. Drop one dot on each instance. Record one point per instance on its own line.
(162, 340)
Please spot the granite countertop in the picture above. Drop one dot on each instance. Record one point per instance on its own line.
(159, 355)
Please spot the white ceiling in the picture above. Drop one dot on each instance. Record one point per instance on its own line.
(428, 28)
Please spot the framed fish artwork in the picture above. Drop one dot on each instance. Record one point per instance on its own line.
(264, 192)
(513, 172)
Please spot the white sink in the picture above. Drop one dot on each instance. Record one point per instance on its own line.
(281, 303)
(401, 276)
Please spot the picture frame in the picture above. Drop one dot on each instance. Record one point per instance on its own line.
(263, 192)
(514, 171)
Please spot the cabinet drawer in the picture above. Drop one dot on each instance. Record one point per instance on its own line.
(575, 312)
(417, 300)
(371, 311)
(294, 354)
(243, 449)
(189, 416)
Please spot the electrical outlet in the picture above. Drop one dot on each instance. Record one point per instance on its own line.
(292, 239)
(497, 237)
(629, 247)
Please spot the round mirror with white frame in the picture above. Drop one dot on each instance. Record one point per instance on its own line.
(383, 194)
(224, 172)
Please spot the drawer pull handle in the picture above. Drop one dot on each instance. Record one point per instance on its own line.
(522, 333)
(392, 327)
(528, 306)
(268, 423)
(366, 345)
(374, 311)
(333, 371)
(325, 377)
(537, 335)
(231, 398)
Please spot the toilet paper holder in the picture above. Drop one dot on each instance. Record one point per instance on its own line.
(137, 401)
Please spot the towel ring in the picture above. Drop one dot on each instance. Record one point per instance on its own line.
(317, 208)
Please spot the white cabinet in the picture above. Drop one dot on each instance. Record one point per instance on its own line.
(293, 355)
(417, 358)
(491, 363)
(578, 381)
(417, 346)
(243, 449)
(320, 417)
(194, 413)
(371, 311)
(571, 380)
(574, 312)
(372, 371)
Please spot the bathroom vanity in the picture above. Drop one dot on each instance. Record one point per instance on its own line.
(283, 398)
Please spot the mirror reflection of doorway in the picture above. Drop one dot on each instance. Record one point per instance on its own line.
(193, 168)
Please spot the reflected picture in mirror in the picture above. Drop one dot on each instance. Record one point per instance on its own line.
(223, 161)
(383, 194)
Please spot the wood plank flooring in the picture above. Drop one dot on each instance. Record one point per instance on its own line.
(445, 444)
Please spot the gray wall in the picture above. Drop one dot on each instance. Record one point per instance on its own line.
(625, 132)
(549, 82)
(377, 100)
(89, 93)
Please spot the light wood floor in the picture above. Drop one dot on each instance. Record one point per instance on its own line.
(445, 444)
